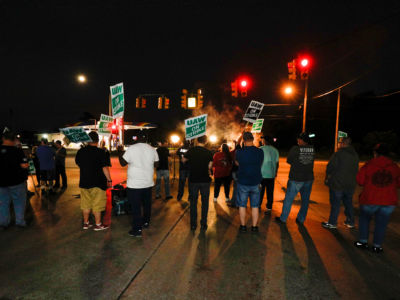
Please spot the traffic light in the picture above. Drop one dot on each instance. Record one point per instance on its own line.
(234, 88)
(243, 88)
(143, 103)
(199, 99)
(184, 98)
(292, 70)
(160, 103)
(166, 103)
(138, 102)
(304, 67)
(114, 127)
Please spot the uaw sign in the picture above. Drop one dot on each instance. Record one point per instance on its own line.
(104, 124)
(195, 127)
(253, 111)
(117, 100)
(257, 126)
(76, 134)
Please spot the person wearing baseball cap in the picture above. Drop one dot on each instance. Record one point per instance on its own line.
(301, 177)
(249, 159)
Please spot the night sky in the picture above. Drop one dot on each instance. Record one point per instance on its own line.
(164, 46)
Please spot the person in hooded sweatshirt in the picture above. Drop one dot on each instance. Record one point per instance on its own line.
(380, 178)
(341, 174)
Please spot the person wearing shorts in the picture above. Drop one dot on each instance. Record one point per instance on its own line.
(249, 159)
(94, 180)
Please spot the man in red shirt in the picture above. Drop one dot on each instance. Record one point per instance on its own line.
(380, 178)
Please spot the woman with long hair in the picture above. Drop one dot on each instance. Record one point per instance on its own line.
(222, 164)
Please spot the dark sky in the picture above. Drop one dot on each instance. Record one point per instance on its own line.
(164, 46)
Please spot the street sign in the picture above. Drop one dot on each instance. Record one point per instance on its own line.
(76, 134)
(104, 124)
(257, 126)
(253, 111)
(117, 100)
(195, 127)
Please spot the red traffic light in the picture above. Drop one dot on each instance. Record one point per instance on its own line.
(243, 83)
(304, 62)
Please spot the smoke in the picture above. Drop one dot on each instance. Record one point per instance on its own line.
(226, 125)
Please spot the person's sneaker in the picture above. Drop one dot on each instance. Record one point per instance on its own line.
(279, 221)
(360, 245)
(348, 224)
(328, 225)
(86, 226)
(254, 228)
(242, 228)
(168, 197)
(136, 233)
(377, 249)
(146, 224)
(215, 199)
(99, 227)
(268, 211)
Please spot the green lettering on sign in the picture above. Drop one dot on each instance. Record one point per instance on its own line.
(117, 100)
(195, 127)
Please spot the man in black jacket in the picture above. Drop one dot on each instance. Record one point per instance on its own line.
(341, 174)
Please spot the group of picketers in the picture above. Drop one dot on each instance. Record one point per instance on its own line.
(251, 169)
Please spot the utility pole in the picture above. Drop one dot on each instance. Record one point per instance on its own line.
(337, 119)
(305, 104)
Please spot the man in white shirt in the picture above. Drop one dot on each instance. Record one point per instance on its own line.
(141, 159)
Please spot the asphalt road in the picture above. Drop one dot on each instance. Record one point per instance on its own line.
(55, 259)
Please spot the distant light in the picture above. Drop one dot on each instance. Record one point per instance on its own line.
(213, 138)
(288, 90)
(114, 126)
(18, 136)
(192, 102)
(243, 83)
(275, 139)
(81, 78)
(311, 135)
(45, 136)
(175, 139)
(304, 62)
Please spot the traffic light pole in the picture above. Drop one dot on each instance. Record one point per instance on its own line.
(305, 105)
(337, 120)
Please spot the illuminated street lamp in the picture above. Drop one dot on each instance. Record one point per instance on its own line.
(81, 78)
(213, 138)
(175, 139)
(288, 90)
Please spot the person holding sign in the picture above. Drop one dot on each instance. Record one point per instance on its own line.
(93, 182)
(249, 159)
(200, 162)
(141, 159)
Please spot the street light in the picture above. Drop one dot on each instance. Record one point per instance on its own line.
(81, 78)
(288, 90)
(213, 138)
(175, 139)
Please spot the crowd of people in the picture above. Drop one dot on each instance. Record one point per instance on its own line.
(251, 169)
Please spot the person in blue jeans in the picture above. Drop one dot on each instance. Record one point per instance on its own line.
(183, 170)
(249, 160)
(13, 176)
(380, 179)
(163, 171)
(341, 173)
(301, 177)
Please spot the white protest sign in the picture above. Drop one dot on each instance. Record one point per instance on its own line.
(195, 127)
(117, 100)
(104, 124)
(76, 134)
(253, 111)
